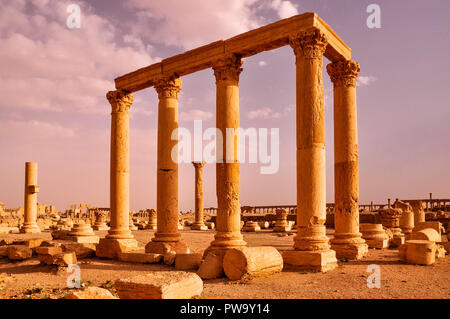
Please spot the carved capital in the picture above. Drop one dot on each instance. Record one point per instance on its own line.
(168, 87)
(120, 100)
(198, 164)
(228, 68)
(343, 73)
(309, 44)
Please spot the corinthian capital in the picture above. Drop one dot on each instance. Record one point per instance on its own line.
(228, 68)
(198, 164)
(343, 73)
(168, 87)
(309, 44)
(120, 100)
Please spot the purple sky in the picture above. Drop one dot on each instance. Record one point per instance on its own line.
(54, 80)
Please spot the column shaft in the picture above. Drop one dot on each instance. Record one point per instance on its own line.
(30, 200)
(347, 240)
(199, 222)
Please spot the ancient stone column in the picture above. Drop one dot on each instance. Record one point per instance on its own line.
(167, 236)
(418, 208)
(311, 245)
(31, 190)
(119, 238)
(228, 222)
(347, 241)
(199, 223)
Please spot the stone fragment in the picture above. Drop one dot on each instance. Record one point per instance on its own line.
(422, 252)
(31, 243)
(426, 234)
(160, 285)
(169, 257)
(374, 235)
(142, 258)
(211, 266)
(188, 261)
(248, 262)
(19, 252)
(251, 226)
(3, 251)
(109, 248)
(81, 250)
(91, 293)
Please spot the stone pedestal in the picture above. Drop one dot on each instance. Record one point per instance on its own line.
(251, 226)
(390, 218)
(311, 247)
(406, 221)
(281, 224)
(418, 209)
(374, 235)
(420, 252)
(228, 234)
(83, 233)
(347, 241)
(119, 234)
(167, 234)
(100, 221)
(132, 225)
(152, 220)
(30, 208)
(199, 223)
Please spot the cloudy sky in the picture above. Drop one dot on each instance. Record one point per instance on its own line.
(54, 80)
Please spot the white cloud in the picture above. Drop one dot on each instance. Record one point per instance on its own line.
(263, 113)
(47, 66)
(365, 80)
(262, 63)
(33, 129)
(284, 9)
(195, 115)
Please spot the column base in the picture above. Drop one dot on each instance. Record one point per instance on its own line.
(282, 229)
(105, 227)
(396, 241)
(84, 239)
(378, 243)
(199, 227)
(320, 261)
(162, 247)
(110, 248)
(352, 251)
(30, 229)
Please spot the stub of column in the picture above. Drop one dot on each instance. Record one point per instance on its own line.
(30, 200)
(119, 237)
(228, 221)
(311, 245)
(199, 223)
(167, 236)
(347, 241)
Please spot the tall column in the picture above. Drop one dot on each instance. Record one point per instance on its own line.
(119, 238)
(199, 223)
(228, 221)
(167, 236)
(30, 205)
(311, 245)
(347, 241)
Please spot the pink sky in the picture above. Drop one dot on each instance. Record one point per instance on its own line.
(54, 80)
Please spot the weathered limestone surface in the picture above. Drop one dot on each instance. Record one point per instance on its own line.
(311, 245)
(91, 293)
(429, 234)
(418, 208)
(251, 226)
(281, 224)
(249, 262)
(167, 233)
(142, 258)
(228, 234)
(82, 233)
(211, 266)
(422, 252)
(110, 248)
(374, 235)
(188, 261)
(31, 190)
(406, 221)
(199, 223)
(19, 252)
(347, 241)
(160, 285)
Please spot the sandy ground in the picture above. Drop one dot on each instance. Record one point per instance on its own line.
(28, 279)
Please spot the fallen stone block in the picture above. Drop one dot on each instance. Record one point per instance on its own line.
(211, 266)
(81, 250)
(4, 230)
(435, 225)
(3, 251)
(426, 234)
(109, 248)
(60, 234)
(6, 241)
(66, 259)
(160, 285)
(421, 252)
(142, 258)
(50, 250)
(19, 252)
(169, 257)
(245, 262)
(188, 261)
(91, 293)
(31, 243)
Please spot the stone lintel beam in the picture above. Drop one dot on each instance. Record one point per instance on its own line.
(269, 37)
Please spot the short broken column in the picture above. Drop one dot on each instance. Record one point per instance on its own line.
(30, 207)
(418, 209)
(374, 235)
(281, 224)
(119, 237)
(199, 223)
(390, 218)
(311, 248)
(167, 236)
(347, 241)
